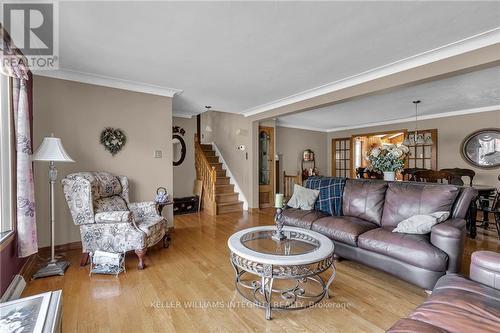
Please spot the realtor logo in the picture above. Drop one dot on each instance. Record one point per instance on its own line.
(33, 30)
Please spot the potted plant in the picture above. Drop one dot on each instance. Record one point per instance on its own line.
(388, 158)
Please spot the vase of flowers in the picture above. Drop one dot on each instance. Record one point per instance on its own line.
(388, 158)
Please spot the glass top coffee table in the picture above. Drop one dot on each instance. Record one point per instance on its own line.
(281, 275)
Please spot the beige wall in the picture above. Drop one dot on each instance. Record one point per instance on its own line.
(185, 174)
(451, 132)
(77, 113)
(291, 142)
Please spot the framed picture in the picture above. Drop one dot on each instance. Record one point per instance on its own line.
(25, 314)
(481, 149)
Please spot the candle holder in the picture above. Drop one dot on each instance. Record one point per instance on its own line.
(278, 234)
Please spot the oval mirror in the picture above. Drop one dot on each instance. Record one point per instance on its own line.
(482, 148)
(179, 149)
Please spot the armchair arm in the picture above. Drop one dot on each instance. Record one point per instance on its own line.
(114, 217)
(143, 210)
(485, 268)
(449, 236)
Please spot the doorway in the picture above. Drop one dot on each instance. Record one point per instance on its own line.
(266, 167)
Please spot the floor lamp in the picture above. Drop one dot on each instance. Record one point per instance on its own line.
(51, 150)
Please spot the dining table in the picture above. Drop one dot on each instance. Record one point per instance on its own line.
(484, 192)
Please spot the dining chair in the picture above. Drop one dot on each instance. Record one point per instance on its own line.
(433, 176)
(458, 173)
(409, 173)
(288, 182)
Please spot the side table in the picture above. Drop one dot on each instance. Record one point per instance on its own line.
(160, 206)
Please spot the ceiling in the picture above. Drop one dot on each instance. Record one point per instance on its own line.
(470, 92)
(239, 55)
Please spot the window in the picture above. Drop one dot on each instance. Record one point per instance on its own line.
(6, 158)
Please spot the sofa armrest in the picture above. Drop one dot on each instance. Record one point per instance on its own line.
(143, 210)
(113, 217)
(449, 236)
(485, 268)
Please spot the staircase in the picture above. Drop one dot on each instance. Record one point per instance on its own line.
(219, 196)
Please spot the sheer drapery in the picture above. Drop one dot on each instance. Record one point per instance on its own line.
(13, 65)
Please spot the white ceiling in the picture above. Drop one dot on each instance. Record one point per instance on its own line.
(470, 92)
(239, 55)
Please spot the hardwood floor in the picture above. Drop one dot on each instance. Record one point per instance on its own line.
(168, 295)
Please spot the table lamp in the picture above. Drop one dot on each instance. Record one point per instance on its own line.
(51, 150)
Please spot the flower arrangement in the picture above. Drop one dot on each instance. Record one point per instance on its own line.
(388, 157)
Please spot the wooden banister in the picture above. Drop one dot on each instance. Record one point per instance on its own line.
(207, 174)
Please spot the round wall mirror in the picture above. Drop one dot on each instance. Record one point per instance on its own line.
(482, 148)
(179, 147)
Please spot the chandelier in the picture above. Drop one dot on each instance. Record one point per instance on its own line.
(416, 138)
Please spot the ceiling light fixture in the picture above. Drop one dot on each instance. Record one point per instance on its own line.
(416, 138)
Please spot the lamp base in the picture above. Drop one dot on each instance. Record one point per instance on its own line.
(52, 268)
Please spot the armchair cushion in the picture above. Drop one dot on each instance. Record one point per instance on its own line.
(143, 210)
(115, 216)
(113, 237)
(110, 204)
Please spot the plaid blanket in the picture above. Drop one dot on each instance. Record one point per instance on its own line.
(330, 193)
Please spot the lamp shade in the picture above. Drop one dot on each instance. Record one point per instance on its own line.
(50, 150)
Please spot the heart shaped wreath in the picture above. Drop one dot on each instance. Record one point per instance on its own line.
(113, 139)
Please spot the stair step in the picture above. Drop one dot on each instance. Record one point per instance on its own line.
(226, 197)
(218, 166)
(206, 146)
(209, 153)
(222, 181)
(221, 173)
(212, 159)
(229, 207)
(224, 188)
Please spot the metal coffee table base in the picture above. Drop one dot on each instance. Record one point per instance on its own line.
(261, 290)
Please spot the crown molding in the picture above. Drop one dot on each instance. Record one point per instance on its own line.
(107, 81)
(307, 128)
(423, 117)
(465, 45)
(178, 114)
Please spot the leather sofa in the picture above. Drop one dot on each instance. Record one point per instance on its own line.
(458, 304)
(373, 208)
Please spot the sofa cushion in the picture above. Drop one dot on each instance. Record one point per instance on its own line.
(330, 193)
(415, 250)
(364, 199)
(345, 229)
(458, 304)
(403, 200)
(295, 217)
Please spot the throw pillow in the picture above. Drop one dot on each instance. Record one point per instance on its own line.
(421, 224)
(303, 198)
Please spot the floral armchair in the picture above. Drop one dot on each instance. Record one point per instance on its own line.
(99, 204)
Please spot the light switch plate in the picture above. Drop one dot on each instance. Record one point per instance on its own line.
(158, 154)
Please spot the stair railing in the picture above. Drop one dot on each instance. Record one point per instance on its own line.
(208, 175)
